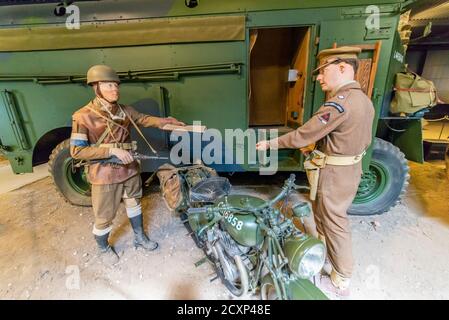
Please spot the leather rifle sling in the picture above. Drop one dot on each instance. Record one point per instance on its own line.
(138, 130)
(107, 119)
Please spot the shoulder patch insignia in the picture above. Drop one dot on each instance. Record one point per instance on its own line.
(324, 118)
(335, 105)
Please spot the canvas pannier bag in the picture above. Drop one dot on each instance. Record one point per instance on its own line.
(176, 183)
(412, 93)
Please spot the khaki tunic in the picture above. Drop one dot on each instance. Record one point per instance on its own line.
(87, 128)
(342, 126)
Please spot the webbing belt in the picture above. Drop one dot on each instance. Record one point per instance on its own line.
(318, 160)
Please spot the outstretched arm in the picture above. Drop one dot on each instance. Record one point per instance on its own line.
(151, 121)
(324, 121)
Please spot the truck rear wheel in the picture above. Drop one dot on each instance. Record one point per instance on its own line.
(383, 186)
(70, 182)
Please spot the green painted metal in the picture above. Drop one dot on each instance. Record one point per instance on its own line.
(303, 289)
(248, 234)
(15, 121)
(298, 289)
(140, 9)
(197, 221)
(296, 248)
(243, 227)
(156, 75)
(76, 177)
(410, 140)
(373, 183)
(241, 202)
(200, 79)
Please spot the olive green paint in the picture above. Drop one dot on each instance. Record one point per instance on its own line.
(243, 227)
(299, 289)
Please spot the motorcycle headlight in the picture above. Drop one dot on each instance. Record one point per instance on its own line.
(305, 255)
(312, 261)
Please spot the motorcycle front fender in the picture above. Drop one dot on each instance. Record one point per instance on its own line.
(299, 289)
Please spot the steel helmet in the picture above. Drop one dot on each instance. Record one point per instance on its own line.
(101, 72)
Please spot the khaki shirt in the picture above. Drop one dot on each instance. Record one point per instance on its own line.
(342, 125)
(87, 128)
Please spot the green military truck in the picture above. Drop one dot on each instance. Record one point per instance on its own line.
(225, 63)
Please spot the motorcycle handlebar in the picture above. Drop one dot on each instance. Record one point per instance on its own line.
(197, 210)
(288, 186)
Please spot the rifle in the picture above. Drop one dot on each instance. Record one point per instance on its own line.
(135, 155)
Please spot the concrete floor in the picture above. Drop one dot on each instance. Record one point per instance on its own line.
(47, 250)
(10, 181)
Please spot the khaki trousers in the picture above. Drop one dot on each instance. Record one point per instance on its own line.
(106, 201)
(337, 187)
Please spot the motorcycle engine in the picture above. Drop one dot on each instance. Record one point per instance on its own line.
(231, 247)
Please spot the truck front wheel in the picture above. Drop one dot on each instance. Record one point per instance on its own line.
(71, 182)
(386, 181)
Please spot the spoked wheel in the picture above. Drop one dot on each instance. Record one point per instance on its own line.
(232, 272)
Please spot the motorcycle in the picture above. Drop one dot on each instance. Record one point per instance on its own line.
(253, 244)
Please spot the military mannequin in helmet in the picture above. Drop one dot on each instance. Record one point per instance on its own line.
(101, 129)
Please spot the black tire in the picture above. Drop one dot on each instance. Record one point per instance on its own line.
(240, 287)
(70, 182)
(383, 186)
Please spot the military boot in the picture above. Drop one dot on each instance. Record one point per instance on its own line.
(107, 253)
(140, 238)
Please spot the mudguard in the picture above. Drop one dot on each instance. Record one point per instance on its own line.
(299, 289)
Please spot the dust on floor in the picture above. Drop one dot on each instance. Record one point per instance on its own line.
(47, 249)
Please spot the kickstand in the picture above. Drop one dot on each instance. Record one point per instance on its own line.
(201, 261)
(215, 278)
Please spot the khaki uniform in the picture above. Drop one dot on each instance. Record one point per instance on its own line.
(110, 183)
(341, 127)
